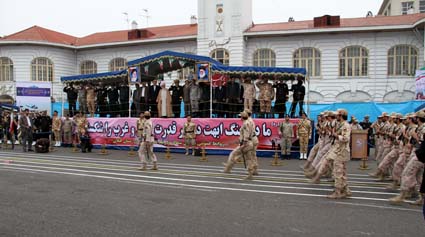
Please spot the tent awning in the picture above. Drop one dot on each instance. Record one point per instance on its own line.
(172, 55)
(96, 77)
(278, 71)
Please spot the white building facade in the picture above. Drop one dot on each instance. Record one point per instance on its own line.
(348, 60)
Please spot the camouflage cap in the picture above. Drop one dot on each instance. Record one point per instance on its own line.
(420, 114)
(342, 112)
(248, 111)
(244, 114)
(384, 114)
(147, 113)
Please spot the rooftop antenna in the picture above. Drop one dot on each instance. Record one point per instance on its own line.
(369, 14)
(291, 19)
(146, 16)
(127, 20)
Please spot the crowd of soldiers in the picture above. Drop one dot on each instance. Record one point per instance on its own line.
(26, 128)
(236, 94)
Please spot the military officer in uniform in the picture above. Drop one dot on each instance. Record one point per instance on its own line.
(254, 141)
(189, 133)
(146, 146)
(140, 125)
(304, 134)
(91, 98)
(244, 150)
(286, 132)
(248, 93)
(266, 96)
(56, 128)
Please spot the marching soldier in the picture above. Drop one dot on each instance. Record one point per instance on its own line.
(254, 142)
(315, 150)
(248, 94)
(146, 145)
(266, 96)
(140, 125)
(411, 174)
(304, 134)
(339, 154)
(189, 133)
(286, 132)
(244, 150)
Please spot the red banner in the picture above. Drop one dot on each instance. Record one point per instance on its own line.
(213, 133)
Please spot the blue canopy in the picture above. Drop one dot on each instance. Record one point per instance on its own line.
(171, 54)
(96, 77)
(280, 71)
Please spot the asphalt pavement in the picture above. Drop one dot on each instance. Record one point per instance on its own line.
(62, 193)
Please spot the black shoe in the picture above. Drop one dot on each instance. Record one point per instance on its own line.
(30, 150)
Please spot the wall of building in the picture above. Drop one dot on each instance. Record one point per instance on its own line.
(330, 87)
(64, 63)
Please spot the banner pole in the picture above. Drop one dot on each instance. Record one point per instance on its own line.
(211, 89)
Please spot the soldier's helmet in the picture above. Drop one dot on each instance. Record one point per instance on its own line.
(147, 114)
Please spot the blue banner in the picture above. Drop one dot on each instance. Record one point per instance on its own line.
(37, 92)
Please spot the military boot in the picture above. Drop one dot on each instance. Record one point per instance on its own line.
(255, 171)
(399, 198)
(250, 175)
(306, 166)
(143, 167)
(310, 174)
(392, 186)
(420, 201)
(337, 194)
(228, 167)
(315, 179)
(187, 152)
(376, 174)
(154, 167)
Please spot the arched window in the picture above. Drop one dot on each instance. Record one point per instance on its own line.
(353, 61)
(88, 67)
(310, 59)
(6, 69)
(221, 55)
(402, 60)
(117, 64)
(264, 58)
(41, 69)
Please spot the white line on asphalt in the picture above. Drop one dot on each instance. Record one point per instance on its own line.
(194, 186)
(138, 163)
(185, 180)
(380, 207)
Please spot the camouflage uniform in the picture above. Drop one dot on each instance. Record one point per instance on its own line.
(255, 144)
(91, 97)
(286, 130)
(406, 150)
(56, 128)
(140, 126)
(248, 95)
(82, 99)
(266, 96)
(146, 145)
(386, 142)
(244, 150)
(327, 143)
(189, 133)
(304, 134)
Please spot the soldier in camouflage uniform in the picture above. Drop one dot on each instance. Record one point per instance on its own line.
(266, 96)
(140, 125)
(248, 94)
(405, 150)
(339, 154)
(412, 174)
(245, 149)
(394, 153)
(146, 145)
(254, 141)
(321, 121)
(189, 133)
(286, 132)
(304, 134)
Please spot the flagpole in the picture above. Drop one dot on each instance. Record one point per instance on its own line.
(211, 88)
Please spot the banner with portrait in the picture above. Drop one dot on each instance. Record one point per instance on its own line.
(133, 74)
(203, 72)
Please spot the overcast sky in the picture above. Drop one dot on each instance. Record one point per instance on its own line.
(84, 17)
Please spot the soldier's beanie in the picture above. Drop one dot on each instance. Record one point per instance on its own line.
(420, 114)
(244, 114)
(147, 113)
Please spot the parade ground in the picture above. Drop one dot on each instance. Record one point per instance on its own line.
(62, 193)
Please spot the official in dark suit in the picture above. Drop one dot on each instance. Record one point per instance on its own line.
(72, 95)
(282, 93)
(26, 124)
(298, 97)
(153, 95)
(233, 93)
(219, 98)
(176, 98)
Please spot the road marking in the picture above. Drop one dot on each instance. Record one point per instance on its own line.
(175, 179)
(380, 207)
